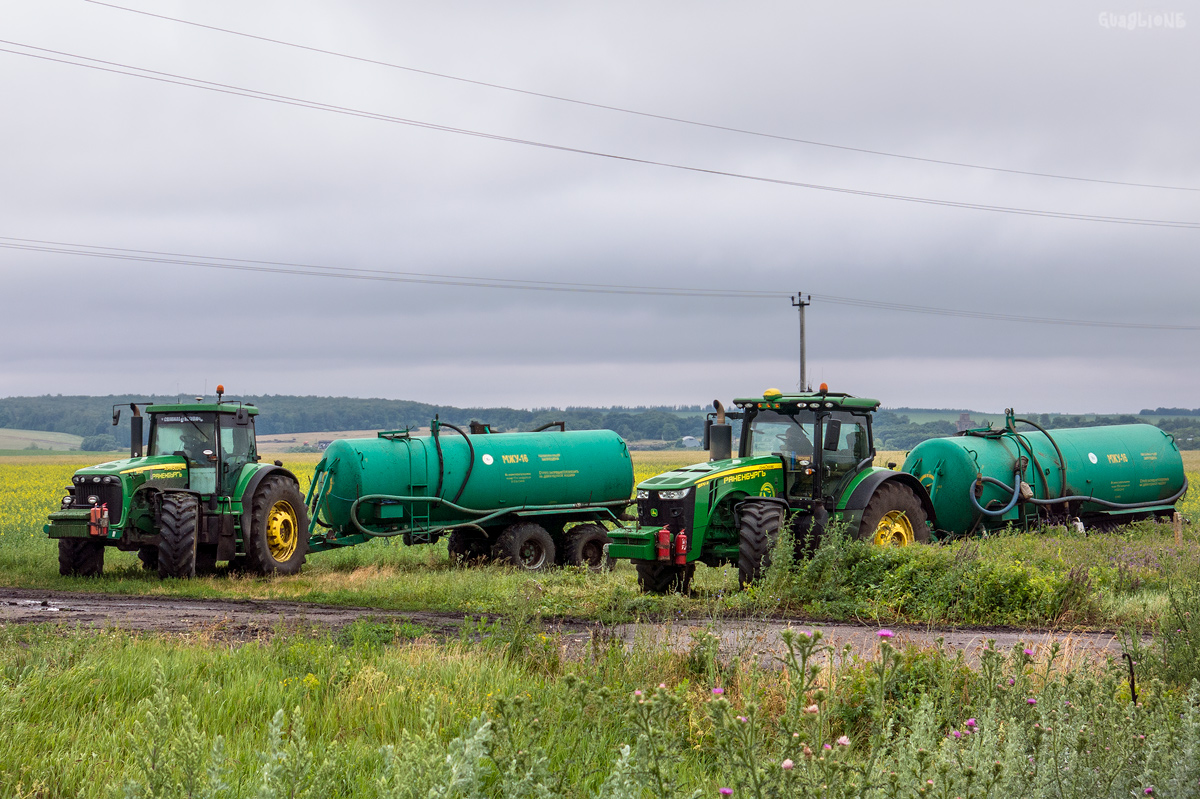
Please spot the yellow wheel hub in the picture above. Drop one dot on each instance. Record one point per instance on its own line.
(894, 529)
(282, 531)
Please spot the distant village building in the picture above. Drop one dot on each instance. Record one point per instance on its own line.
(965, 422)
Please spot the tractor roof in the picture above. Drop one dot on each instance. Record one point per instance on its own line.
(775, 399)
(223, 407)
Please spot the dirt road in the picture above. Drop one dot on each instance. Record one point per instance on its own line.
(248, 619)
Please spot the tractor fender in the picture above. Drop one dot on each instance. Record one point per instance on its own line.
(866, 489)
(247, 497)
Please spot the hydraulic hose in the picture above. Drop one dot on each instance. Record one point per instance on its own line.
(1062, 463)
(1016, 494)
(470, 461)
(1104, 502)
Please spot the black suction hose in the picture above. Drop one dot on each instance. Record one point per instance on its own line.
(1062, 463)
(1016, 493)
(470, 462)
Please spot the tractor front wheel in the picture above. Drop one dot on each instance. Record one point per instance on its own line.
(525, 545)
(177, 536)
(81, 557)
(759, 521)
(894, 517)
(655, 577)
(583, 545)
(278, 537)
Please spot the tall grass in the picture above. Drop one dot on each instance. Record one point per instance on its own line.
(512, 714)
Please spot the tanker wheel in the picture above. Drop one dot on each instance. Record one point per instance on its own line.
(278, 538)
(759, 521)
(583, 545)
(177, 536)
(655, 577)
(80, 557)
(525, 545)
(894, 517)
(468, 547)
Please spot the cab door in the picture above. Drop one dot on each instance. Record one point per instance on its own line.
(237, 449)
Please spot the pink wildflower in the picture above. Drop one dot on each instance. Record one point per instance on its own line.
(787, 765)
(955, 734)
(843, 741)
(718, 691)
(1031, 701)
(885, 634)
(1028, 652)
(726, 792)
(971, 723)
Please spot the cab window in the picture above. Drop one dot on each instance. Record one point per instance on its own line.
(188, 434)
(853, 445)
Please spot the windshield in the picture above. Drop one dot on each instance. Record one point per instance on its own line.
(186, 433)
(774, 433)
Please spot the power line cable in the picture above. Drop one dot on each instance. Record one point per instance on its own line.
(383, 275)
(649, 115)
(196, 83)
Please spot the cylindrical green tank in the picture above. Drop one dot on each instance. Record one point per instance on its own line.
(1132, 469)
(478, 472)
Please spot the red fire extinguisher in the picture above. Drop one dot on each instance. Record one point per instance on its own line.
(98, 520)
(664, 543)
(681, 548)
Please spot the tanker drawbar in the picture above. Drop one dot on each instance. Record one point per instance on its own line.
(530, 499)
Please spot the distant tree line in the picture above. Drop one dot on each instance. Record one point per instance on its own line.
(91, 417)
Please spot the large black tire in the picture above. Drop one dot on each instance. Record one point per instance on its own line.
(468, 547)
(894, 516)
(759, 521)
(80, 557)
(583, 545)
(177, 536)
(525, 545)
(663, 578)
(277, 541)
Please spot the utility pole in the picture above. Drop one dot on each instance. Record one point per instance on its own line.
(801, 302)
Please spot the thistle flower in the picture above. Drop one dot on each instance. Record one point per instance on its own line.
(787, 765)
(971, 723)
(726, 792)
(1031, 701)
(718, 691)
(843, 741)
(885, 634)
(1028, 652)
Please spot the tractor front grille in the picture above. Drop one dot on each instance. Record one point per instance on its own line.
(678, 513)
(105, 493)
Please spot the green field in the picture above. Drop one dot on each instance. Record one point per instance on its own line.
(25, 439)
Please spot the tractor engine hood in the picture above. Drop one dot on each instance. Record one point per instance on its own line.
(730, 470)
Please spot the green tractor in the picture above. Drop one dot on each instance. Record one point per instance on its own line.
(803, 459)
(197, 496)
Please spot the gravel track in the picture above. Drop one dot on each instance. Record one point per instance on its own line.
(252, 619)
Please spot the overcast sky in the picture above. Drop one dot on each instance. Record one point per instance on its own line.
(107, 160)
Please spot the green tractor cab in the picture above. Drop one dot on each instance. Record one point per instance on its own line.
(804, 457)
(197, 496)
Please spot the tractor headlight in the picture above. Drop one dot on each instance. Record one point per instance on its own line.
(643, 494)
(93, 499)
(678, 494)
(110, 479)
(66, 501)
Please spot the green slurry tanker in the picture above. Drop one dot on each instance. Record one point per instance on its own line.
(806, 460)
(532, 499)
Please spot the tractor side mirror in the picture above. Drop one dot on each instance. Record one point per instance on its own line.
(241, 418)
(833, 433)
(116, 416)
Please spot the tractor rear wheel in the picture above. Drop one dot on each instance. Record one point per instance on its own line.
(525, 545)
(759, 521)
(278, 538)
(583, 545)
(468, 547)
(664, 578)
(81, 557)
(177, 536)
(894, 516)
